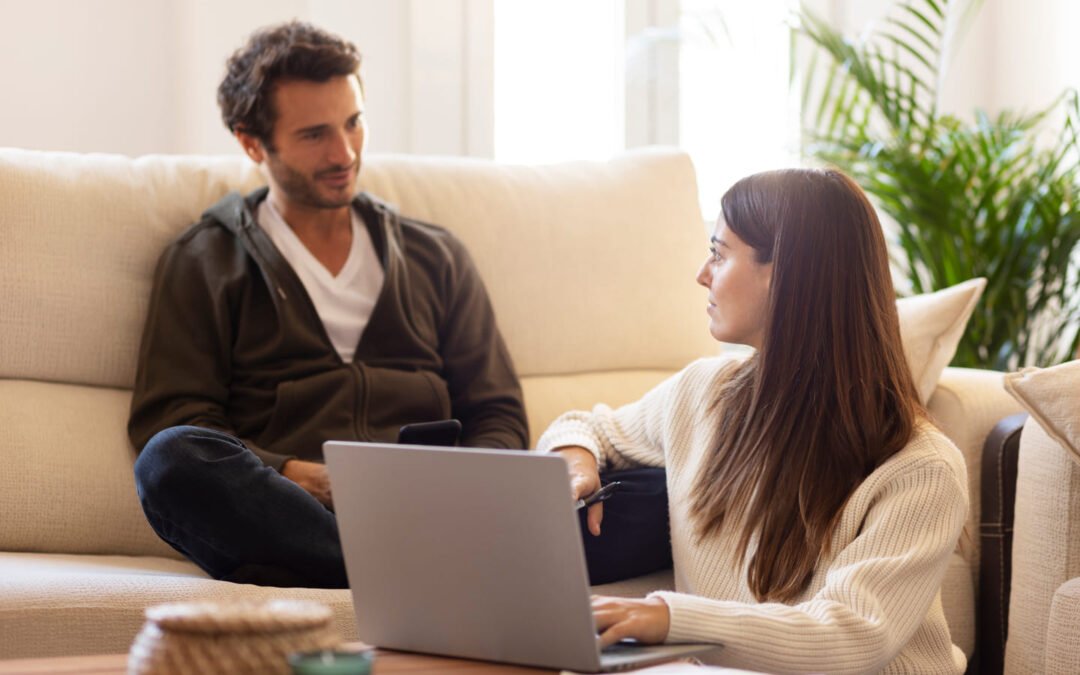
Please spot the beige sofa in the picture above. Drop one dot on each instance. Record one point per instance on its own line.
(1044, 610)
(590, 267)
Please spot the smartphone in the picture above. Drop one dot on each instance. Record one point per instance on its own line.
(442, 432)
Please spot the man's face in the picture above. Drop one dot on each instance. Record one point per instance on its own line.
(318, 140)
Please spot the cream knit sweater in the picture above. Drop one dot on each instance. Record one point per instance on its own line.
(872, 606)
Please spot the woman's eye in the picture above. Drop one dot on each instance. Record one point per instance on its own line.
(714, 254)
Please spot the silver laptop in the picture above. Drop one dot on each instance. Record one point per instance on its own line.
(470, 553)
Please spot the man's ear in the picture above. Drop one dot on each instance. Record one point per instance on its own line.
(252, 146)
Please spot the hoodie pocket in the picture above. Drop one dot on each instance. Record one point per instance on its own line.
(309, 411)
(394, 397)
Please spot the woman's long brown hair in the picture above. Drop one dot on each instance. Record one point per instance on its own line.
(827, 398)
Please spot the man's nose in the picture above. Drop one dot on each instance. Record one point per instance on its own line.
(341, 151)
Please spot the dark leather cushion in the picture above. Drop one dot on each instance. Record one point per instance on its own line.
(635, 536)
(998, 488)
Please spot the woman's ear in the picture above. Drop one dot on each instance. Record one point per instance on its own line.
(765, 270)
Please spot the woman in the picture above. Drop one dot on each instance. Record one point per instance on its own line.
(813, 506)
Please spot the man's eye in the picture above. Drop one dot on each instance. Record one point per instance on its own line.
(311, 135)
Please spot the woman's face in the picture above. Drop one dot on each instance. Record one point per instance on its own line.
(738, 289)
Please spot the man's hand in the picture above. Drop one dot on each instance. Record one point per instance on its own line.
(646, 620)
(312, 477)
(584, 480)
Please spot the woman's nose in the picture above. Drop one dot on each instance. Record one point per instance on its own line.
(703, 276)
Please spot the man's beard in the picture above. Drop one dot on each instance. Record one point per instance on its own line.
(302, 190)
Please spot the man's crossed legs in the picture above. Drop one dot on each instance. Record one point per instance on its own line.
(214, 500)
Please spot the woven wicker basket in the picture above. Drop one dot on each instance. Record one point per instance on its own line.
(205, 637)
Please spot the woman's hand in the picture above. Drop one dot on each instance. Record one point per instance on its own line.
(584, 480)
(646, 620)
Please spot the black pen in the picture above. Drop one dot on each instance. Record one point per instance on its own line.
(600, 495)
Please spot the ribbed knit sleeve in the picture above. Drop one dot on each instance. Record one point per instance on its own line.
(636, 434)
(877, 590)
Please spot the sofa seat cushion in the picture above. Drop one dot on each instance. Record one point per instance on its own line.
(60, 605)
(67, 484)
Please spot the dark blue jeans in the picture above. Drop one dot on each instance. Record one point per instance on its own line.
(214, 500)
(635, 536)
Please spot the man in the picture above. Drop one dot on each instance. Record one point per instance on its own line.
(301, 313)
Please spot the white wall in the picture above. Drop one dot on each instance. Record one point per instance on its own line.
(1032, 51)
(87, 75)
(140, 76)
(1013, 55)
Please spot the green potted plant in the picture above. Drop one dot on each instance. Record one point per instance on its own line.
(979, 198)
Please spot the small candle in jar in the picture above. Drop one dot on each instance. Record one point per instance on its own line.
(332, 663)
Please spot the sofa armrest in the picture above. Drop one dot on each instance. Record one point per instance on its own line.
(966, 406)
(1062, 647)
(999, 465)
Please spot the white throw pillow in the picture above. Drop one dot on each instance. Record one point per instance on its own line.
(1052, 396)
(931, 326)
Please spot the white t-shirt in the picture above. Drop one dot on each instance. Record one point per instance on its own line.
(344, 302)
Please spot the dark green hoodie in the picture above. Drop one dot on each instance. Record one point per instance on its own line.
(233, 342)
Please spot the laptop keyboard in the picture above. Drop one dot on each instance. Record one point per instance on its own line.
(622, 647)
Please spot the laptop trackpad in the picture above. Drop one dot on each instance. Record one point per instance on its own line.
(631, 654)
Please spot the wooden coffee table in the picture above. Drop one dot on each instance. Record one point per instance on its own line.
(385, 662)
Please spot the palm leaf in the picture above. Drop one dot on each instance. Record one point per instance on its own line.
(981, 198)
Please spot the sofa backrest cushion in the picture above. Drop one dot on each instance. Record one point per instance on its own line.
(590, 265)
(82, 234)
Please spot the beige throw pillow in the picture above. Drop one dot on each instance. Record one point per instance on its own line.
(931, 325)
(1052, 396)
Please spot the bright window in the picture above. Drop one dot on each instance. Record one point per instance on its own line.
(569, 75)
(558, 80)
(737, 115)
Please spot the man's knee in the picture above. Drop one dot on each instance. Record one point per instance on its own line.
(176, 456)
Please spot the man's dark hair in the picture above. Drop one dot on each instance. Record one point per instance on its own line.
(288, 51)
